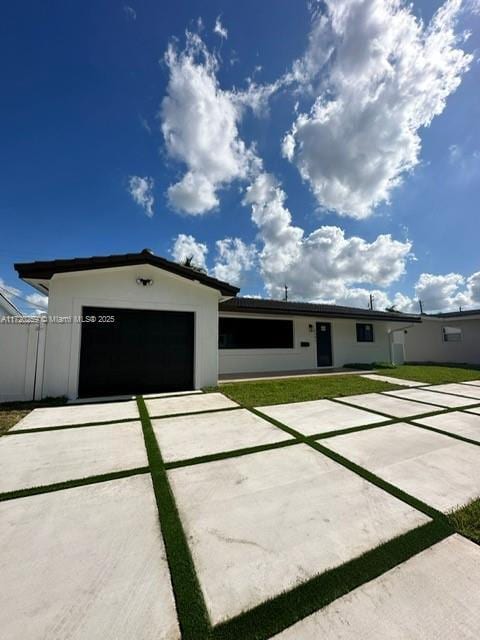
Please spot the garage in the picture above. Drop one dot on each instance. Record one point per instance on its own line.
(128, 351)
(125, 324)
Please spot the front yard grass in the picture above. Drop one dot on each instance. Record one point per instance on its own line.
(467, 520)
(13, 412)
(434, 374)
(256, 393)
(264, 392)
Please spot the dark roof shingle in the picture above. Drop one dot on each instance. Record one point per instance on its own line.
(280, 307)
(45, 270)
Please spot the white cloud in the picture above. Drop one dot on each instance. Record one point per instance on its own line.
(447, 292)
(465, 164)
(233, 258)
(187, 247)
(438, 292)
(219, 29)
(379, 75)
(39, 301)
(193, 194)
(141, 191)
(322, 265)
(473, 288)
(130, 12)
(199, 125)
(7, 290)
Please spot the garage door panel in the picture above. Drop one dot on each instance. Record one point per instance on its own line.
(140, 352)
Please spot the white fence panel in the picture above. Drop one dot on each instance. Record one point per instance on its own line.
(21, 358)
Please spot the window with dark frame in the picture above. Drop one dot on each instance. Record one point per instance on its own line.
(364, 332)
(253, 333)
(452, 334)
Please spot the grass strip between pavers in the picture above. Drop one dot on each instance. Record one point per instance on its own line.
(71, 426)
(442, 432)
(191, 609)
(461, 407)
(364, 473)
(69, 484)
(279, 613)
(193, 413)
(234, 453)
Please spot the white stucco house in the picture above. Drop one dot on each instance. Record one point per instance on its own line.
(138, 323)
(445, 337)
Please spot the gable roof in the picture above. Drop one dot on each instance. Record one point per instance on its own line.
(280, 307)
(45, 270)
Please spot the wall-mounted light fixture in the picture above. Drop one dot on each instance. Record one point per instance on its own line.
(310, 328)
(144, 282)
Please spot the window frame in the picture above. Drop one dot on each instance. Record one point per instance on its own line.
(457, 331)
(364, 338)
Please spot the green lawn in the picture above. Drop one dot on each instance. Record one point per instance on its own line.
(256, 393)
(434, 374)
(467, 520)
(12, 412)
(262, 392)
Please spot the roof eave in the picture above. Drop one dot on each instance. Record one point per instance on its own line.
(45, 270)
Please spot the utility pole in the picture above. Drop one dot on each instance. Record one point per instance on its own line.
(286, 293)
(421, 307)
(371, 302)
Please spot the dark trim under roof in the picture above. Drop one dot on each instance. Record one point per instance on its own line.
(45, 270)
(455, 314)
(280, 307)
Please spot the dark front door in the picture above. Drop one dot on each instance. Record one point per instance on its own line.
(139, 352)
(324, 344)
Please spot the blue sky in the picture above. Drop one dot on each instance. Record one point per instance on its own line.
(82, 116)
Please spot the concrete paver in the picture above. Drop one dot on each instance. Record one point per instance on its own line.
(188, 404)
(263, 523)
(78, 414)
(391, 380)
(320, 416)
(459, 423)
(35, 459)
(440, 399)
(457, 389)
(206, 433)
(86, 562)
(437, 469)
(172, 393)
(435, 594)
(397, 408)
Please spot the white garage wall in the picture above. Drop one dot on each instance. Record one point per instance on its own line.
(424, 342)
(345, 347)
(117, 288)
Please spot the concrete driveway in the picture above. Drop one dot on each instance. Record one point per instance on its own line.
(264, 511)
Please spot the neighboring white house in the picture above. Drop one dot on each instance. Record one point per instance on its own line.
(137, 323)
(7, 308)
(445, 337)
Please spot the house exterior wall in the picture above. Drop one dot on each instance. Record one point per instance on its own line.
(117, 288)
(345, 348)
(424, 342)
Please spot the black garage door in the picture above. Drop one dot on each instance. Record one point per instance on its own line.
(139, 352)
